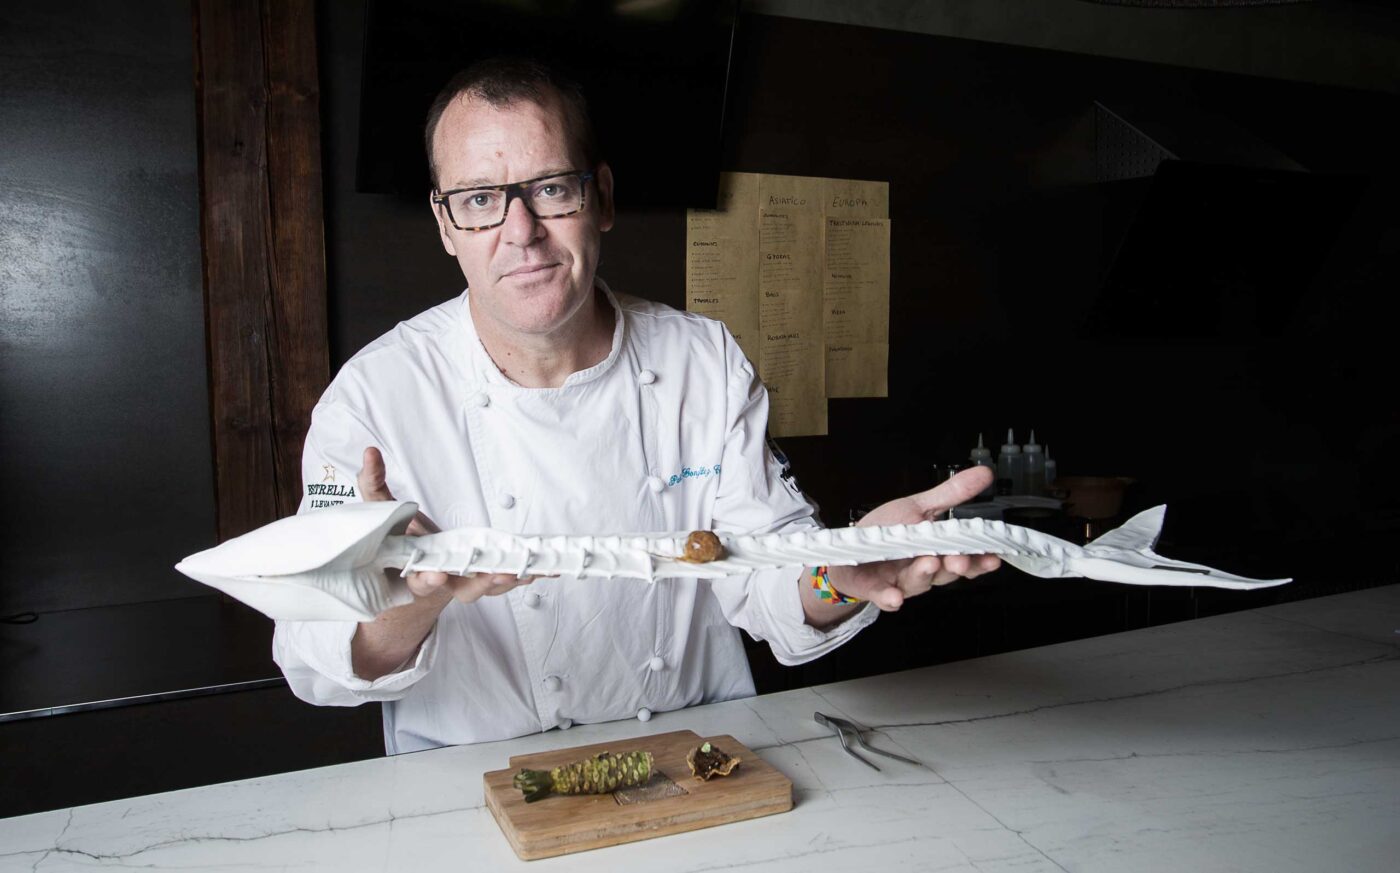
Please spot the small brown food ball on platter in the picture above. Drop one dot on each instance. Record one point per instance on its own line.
(702, 547)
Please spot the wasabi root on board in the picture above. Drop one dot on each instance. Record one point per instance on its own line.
(603, 773)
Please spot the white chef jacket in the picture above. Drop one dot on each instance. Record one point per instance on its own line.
(668, 433)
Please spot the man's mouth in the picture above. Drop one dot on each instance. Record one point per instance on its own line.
(525, 271)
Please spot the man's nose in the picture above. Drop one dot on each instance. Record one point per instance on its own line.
(521, 227)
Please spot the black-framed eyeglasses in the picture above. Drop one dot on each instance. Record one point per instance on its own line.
(485, 207)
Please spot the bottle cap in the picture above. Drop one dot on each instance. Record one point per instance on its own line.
(981, 452)
(1010, 448)
(1032, 446)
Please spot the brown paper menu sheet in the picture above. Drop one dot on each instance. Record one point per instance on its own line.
(856, 288)
(857, 307)
(759, 264)
(855, 198)
(721, 260)
(791, 357)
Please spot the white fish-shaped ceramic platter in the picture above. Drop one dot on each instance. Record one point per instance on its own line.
(329, 564)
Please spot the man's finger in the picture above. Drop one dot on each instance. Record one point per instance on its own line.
(954, 567)
(918, 576)
(472, 588)
(420, 526)
(979, 564)
(959, 489)
(375, 487)
(371, 479)
(877, 584)
(888, 599)
(426, 582)
(958, 565)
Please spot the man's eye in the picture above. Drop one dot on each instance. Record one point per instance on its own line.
(550, 191)
(479, 200)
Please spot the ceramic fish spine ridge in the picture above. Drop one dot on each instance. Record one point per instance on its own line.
(341, 553)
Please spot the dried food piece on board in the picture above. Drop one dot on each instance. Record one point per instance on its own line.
(708, 760)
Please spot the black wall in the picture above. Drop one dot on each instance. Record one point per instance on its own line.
(1265, 446)
(104, 420)
(105, 465)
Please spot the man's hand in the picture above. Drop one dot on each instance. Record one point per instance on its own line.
(428, 584)
(888, 583)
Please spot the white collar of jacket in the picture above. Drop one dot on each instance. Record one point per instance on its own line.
(481, 369)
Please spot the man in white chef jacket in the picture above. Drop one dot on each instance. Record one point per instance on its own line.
(541, 401)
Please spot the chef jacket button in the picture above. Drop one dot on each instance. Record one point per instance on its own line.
(646, 377)
(655, 484)
(532, 599)
(643, 714)
(481, 399)
(553, 683)
(565, 723)
(506, 501)
(656, 664)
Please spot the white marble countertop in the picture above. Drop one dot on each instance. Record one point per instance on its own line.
(1266, 740)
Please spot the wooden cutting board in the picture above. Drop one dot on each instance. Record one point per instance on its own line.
(558, 825)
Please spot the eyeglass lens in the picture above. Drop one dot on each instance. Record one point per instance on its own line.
(546, 198)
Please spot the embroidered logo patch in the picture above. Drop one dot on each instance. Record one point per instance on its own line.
(693, 473)
(327, 492)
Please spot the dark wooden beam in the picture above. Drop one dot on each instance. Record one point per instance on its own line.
(264, 248)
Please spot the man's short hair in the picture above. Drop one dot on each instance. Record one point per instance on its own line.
(502, 82)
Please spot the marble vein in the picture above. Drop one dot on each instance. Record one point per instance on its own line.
(199, 839)
(761, 720)
(1152, 692)
(1209, 753)
(792, 856)
(880, 729)
(1317, 627)
(868, 786)
(996, 818)
(56, 840)
(813, 770)
(792, 744)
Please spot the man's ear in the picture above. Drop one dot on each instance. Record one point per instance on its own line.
(440, 216)
(606, 210)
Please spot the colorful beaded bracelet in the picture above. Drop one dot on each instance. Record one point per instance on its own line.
(821, 583)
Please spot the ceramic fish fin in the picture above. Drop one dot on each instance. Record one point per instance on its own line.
(1138, 534)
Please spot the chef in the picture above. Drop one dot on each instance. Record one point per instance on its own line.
(542, 401)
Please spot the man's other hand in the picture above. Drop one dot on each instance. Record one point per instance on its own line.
(427, 584)
(888, 583)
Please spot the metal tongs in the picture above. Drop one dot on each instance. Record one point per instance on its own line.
(847, 730)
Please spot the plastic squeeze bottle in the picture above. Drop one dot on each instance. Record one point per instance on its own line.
(1051, 468)
(1035, 466)
(982, 457)
(1011, 467)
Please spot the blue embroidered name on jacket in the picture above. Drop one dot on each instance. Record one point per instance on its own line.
(693, 473)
